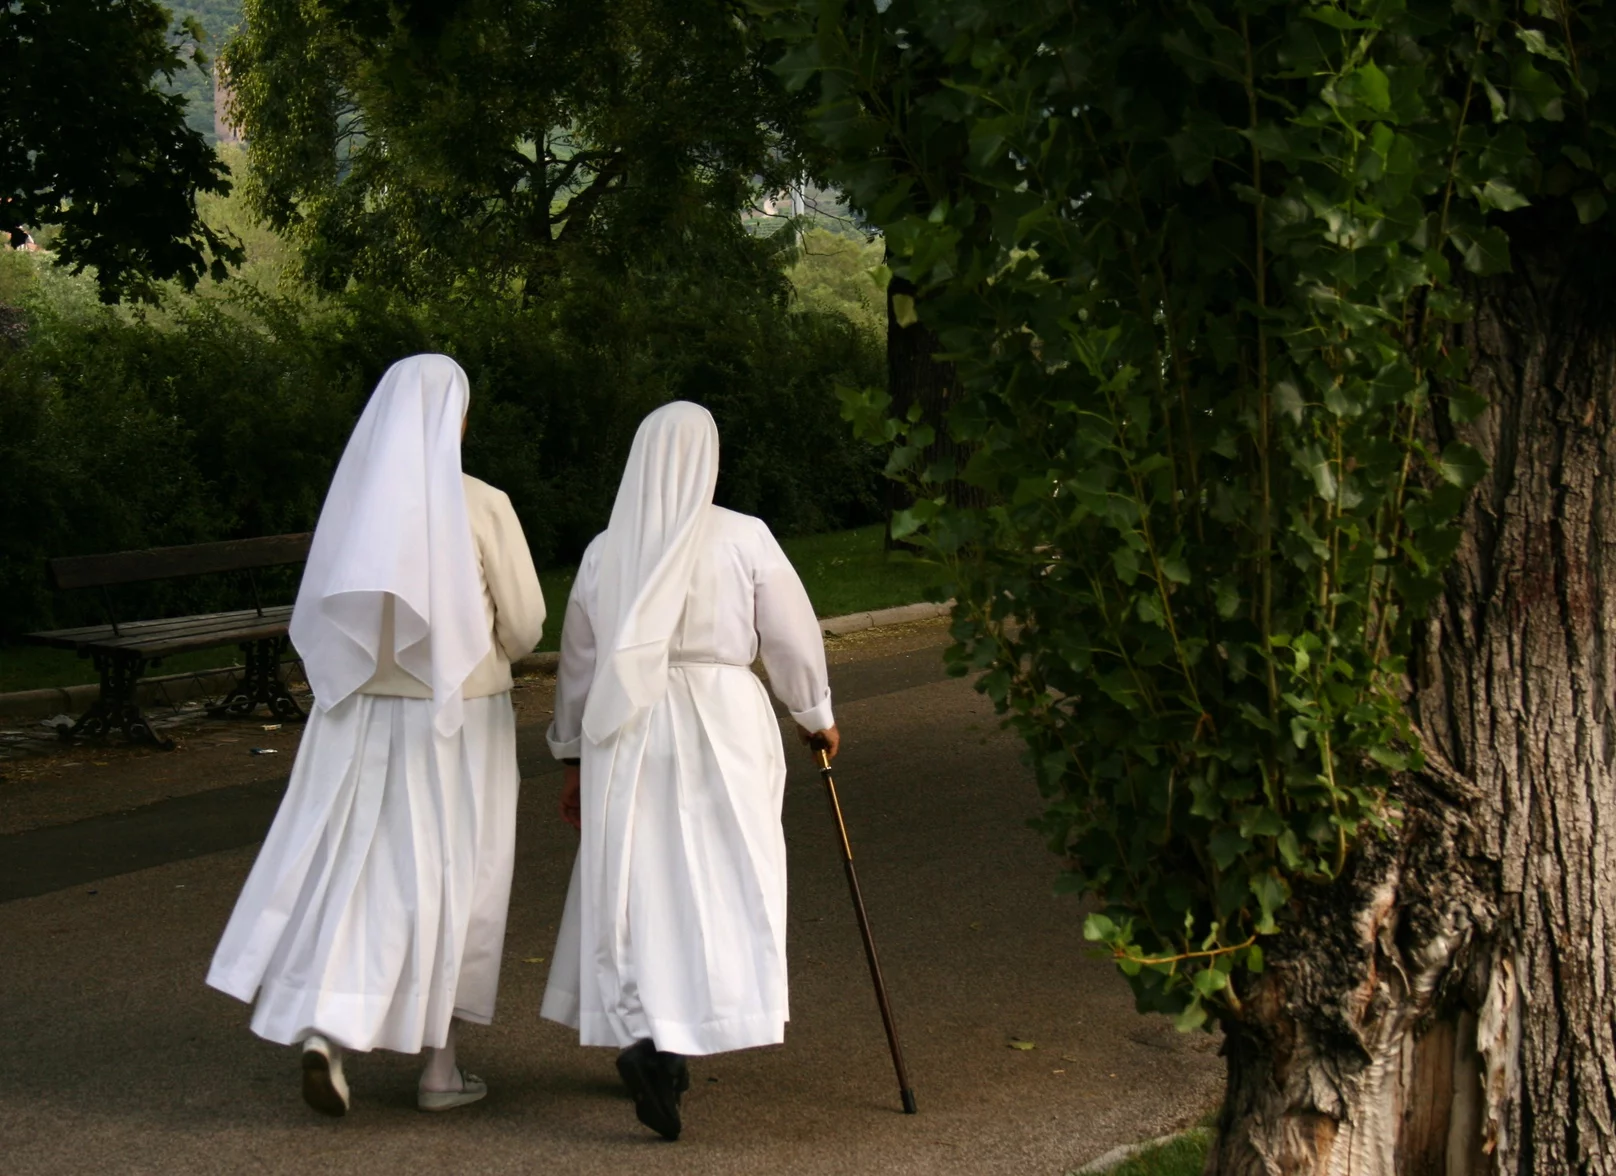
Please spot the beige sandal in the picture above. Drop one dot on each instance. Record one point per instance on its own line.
(472, 1088)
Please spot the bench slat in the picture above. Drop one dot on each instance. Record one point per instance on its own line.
(173, 634)
(161, 563)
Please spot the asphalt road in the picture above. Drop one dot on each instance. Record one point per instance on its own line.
(117, 1058)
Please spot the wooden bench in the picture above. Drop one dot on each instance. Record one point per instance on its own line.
(123, 650)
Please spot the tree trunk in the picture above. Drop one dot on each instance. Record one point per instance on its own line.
(916, 376)
(1447, 1006)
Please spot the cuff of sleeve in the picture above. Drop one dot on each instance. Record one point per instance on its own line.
(815, 718)
(564, 748)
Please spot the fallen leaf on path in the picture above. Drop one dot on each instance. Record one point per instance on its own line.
(1017, 1043)
(534, 960)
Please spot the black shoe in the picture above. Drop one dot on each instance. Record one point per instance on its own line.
(653, 1079)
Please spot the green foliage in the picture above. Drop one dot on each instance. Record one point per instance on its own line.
(460, 148)
(833, 274)
(222, 416)
(1194, 262)
(91, 142)
(218, 20)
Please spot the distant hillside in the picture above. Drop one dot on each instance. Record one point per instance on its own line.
(219, 19)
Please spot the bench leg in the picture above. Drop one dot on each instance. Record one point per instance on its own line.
(261, 683)
(117, 705)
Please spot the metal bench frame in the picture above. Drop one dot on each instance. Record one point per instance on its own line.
(122, 652)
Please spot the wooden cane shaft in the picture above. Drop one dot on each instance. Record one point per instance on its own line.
(870, 954)
(835, 806)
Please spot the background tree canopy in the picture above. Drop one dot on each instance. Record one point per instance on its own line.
(552, 193)
(92, 142)
(474, 146)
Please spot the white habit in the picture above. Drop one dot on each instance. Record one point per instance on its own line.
(674, 925)
(376, 909)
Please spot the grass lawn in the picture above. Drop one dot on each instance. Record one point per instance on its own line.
(848, 571)
(1183, 1156)
(844, 572)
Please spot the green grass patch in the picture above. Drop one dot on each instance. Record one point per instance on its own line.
(1184, 1155)
(850, 571)
(844, 572)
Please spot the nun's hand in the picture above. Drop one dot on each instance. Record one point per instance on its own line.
(570, 811)
(830, 739)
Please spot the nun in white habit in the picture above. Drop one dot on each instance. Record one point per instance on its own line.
(672, 941)
(374, 917)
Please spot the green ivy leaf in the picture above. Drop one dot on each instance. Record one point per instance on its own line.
(1537, 43)
(1590, 205)
(1461, 465)
(1228, 599)
(1125, 560)
(1271, 893)
(1192, 1018)
(1496, 194)
(1487, 252)
(1370, 85)
(1227, 845)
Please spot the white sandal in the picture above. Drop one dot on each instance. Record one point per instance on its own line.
(472, 1088)
(324, 1087)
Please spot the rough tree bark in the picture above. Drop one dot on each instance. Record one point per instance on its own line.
(1446, 1007)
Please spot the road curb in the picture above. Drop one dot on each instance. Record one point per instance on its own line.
(172, 688)
(903, 614)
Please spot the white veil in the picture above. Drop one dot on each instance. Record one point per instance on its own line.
(394, 522)
(647, 561)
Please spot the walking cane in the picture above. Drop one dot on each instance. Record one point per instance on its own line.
(904, 1089)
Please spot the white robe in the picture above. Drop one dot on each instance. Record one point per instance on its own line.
(376, 909)
(674, 925)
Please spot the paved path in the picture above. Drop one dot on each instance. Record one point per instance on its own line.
(119, 1060)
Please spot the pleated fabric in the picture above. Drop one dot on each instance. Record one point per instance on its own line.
(690, 891)
(376, 909)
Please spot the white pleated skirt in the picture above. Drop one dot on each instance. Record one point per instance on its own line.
(376, 909)
(675, 921)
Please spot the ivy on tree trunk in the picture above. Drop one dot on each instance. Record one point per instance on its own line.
(1286, 379)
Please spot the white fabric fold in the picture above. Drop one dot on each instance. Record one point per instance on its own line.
(395, 523)
(648, 557)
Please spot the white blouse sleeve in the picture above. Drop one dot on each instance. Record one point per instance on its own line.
(513, 584)
(789, 638)
(577, 669)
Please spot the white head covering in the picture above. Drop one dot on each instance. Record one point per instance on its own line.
(394, 522)
(648, 560)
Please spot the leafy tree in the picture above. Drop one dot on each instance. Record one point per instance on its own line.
(1245, 298)
(218, 20)
(472, 146)
(92, 142)
(833, 273)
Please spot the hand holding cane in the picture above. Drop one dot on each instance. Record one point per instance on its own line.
(906, 1092)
